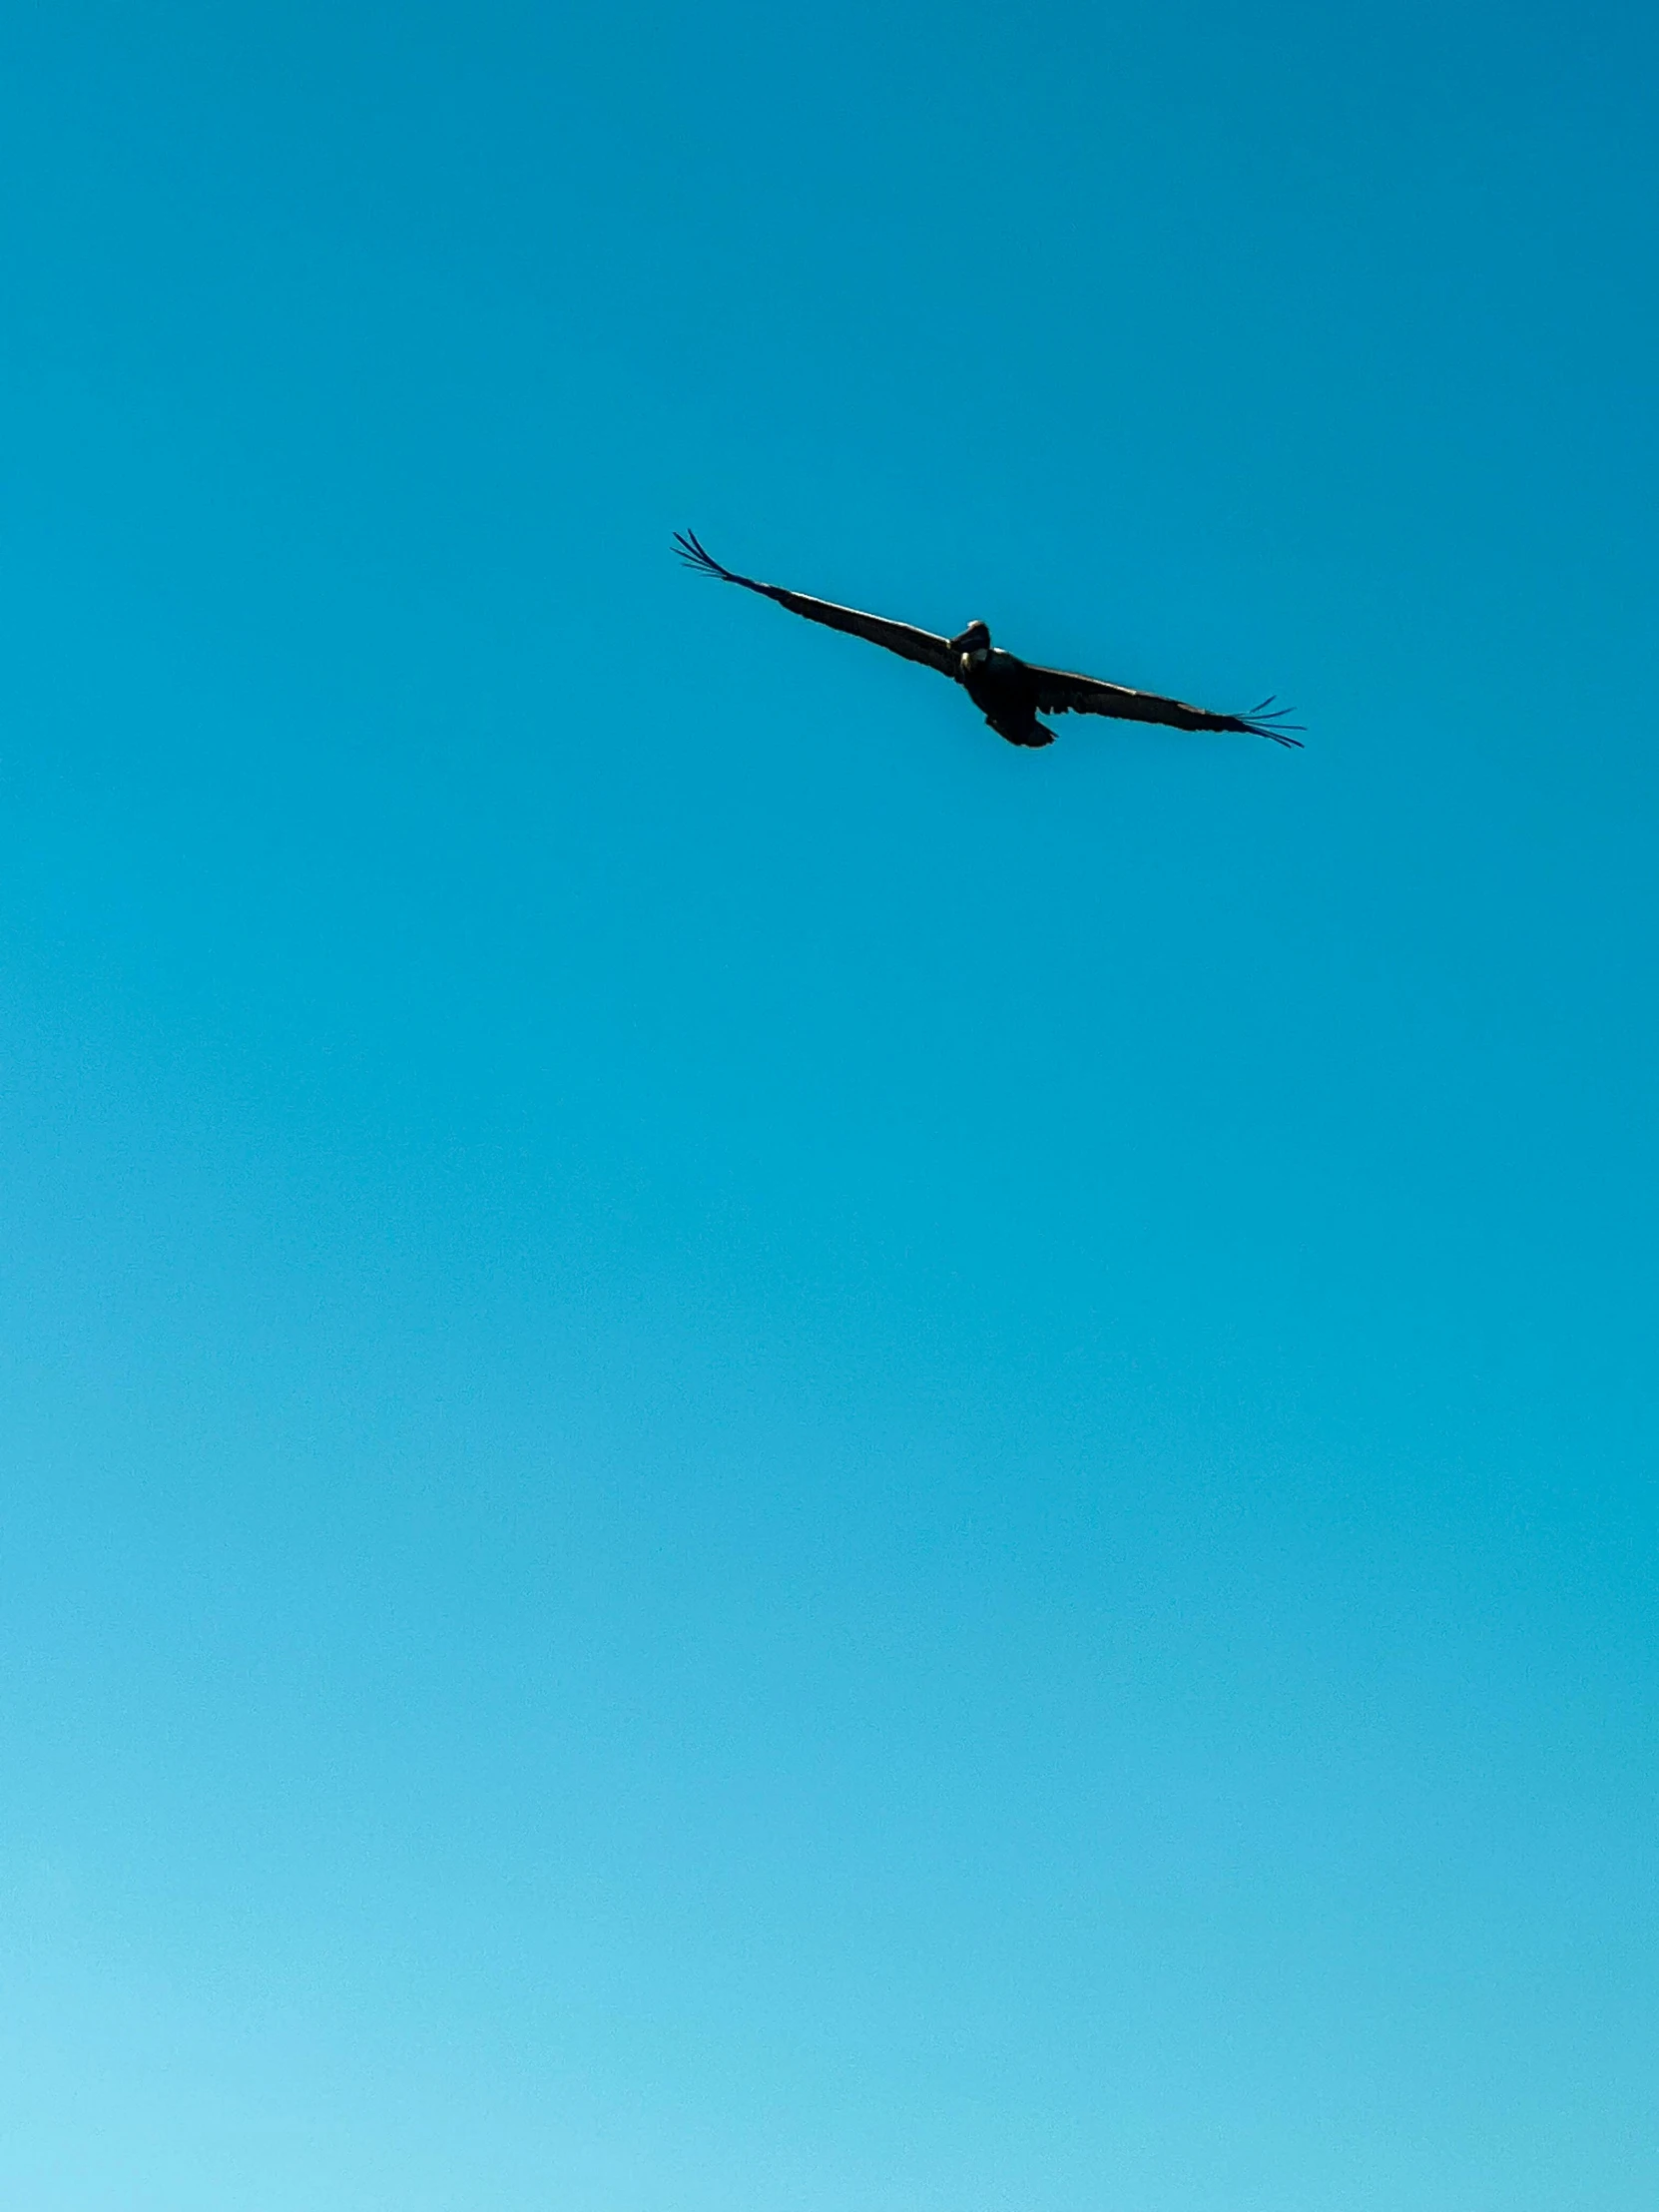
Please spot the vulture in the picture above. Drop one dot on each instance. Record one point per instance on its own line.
(1008, 692)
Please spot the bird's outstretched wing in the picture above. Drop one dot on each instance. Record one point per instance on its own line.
(1060, 694)
(898, 637)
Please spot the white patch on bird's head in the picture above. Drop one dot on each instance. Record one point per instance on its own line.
(972, 647)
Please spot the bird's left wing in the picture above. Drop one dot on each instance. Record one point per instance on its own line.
(898, 637)
(1060, 694)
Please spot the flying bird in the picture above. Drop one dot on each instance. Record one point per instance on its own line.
(1009, 693)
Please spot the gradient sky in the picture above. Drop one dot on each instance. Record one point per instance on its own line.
(756, 1456)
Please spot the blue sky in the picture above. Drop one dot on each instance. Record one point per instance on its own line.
(756, 1454)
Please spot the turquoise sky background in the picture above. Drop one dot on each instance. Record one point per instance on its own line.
(756, 1456)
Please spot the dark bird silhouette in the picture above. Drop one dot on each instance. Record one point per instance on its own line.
(1009, 693)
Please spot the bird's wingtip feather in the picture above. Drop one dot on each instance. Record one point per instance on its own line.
(1269, 720)
(696, 554)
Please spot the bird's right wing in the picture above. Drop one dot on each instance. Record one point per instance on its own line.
(1059, 693)
(898, 637)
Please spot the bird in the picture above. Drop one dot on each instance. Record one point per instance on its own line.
(1009, 693)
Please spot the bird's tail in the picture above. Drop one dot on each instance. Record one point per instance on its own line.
(1022, 733)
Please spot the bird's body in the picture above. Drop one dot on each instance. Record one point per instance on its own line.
(1005, 692)
(1008, 692)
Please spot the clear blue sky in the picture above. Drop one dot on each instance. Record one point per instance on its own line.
(756, 1456)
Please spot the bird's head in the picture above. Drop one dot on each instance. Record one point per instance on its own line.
(972, 648)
